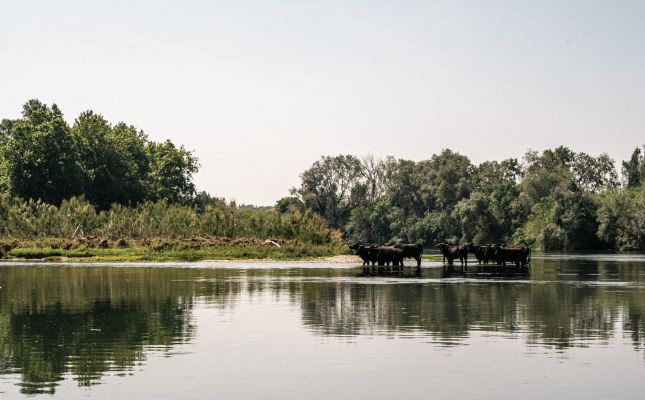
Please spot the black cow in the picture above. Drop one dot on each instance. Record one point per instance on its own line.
(364, 253)
(368, 254)
(388, 254)
(451, 252)
(410, 251)
(482, 253)
(521, 256)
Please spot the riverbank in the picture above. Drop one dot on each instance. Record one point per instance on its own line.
(95, 249)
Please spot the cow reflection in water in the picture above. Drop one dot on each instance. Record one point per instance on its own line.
(486, 272)
(390, 272)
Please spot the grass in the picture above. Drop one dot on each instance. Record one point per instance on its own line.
(55, 249)
(96, 249)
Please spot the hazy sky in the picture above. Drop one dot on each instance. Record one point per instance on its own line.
(261, 89)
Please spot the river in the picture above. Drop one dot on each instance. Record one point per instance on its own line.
(573, 328)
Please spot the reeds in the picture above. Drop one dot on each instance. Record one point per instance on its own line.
(76, 217)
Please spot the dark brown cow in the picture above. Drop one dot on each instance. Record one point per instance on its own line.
(364, 253)
(410, 251)
(367, 253)
(388, 254)
(521, 256)
(451, 252)
(482, 253)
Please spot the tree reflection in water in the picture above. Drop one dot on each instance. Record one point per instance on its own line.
(59, 322)
(87, 321)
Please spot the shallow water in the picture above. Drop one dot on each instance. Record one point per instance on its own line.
(573, 328)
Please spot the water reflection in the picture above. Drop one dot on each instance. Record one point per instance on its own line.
(85, 322)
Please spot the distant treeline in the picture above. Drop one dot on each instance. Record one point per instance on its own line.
(111, 180)
(558, 199)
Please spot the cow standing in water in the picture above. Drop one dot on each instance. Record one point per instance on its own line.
(366, 254)
(388, 254)
(482, 253)
(381, 255)
(520, 256)
(411, 251)
(451, 252)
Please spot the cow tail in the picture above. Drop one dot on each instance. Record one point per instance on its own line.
(528, 259)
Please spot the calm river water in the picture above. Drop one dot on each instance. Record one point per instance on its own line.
(572, 329)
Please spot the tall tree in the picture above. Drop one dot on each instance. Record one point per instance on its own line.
(39, 158)
(104, 168)
(595, 173)
(634, 169)
(332, 187)
(130, 145)
(171, 172)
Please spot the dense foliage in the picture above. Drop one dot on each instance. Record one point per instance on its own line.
(42, 158)
(111, 181)
(20, 219)
(558, 199)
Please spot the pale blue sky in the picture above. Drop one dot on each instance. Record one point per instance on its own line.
(262, 89)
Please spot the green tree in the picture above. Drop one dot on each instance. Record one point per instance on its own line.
(445, 180)
(543, 173)
(371, 223)
(621, 218)
(634, 169)
(402, 185)
(500, 182)
(107, 173)
(203, 199)
(575, 214)
(332, 187)
(39, 157)
(476, 220)
(289, 204)
(171, 172)
(595, 173)
(131, 146)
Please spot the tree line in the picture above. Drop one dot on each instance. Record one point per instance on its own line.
(109, 180)
(42, 157)
(558, 199)
(109, 173)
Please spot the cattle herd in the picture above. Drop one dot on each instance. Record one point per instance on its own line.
(386, 255)
(491, 253)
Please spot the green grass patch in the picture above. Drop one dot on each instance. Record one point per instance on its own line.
(168, 250)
